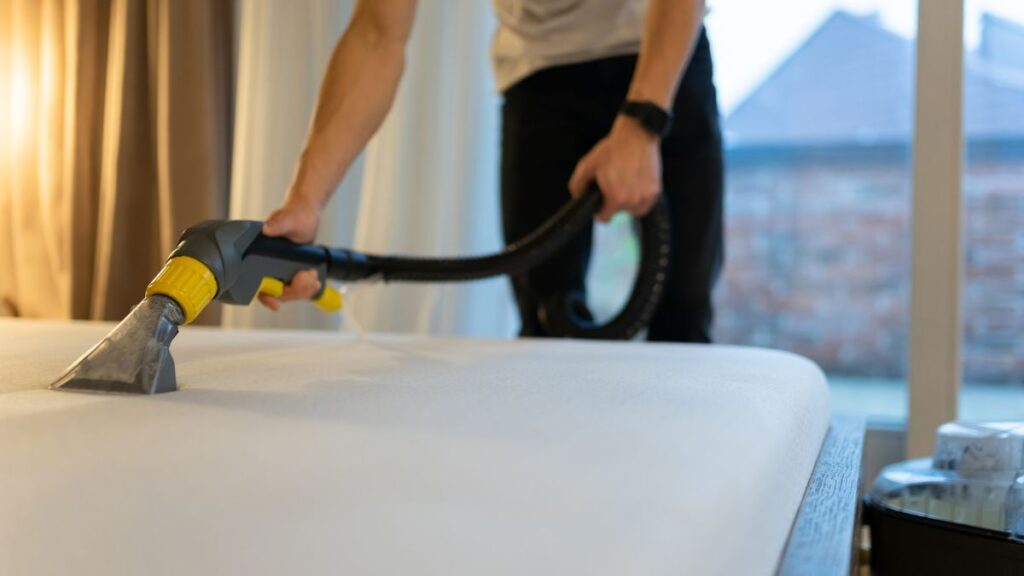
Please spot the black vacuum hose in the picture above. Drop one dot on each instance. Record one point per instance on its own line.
(563, 316)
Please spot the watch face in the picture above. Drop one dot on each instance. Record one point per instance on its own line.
(657, 118)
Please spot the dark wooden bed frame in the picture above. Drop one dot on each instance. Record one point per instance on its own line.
(825, 536)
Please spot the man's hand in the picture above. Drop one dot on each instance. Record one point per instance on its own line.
(626, 165)
(296, 221)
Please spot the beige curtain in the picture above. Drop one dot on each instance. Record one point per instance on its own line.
(430, 182)
(116, 134)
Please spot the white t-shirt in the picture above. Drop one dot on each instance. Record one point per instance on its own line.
(536, 34)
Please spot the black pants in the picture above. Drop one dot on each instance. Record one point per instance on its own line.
(552, 119)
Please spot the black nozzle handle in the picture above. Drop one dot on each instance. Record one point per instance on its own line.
(241, 257)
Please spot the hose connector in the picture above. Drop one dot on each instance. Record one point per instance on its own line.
(188, 282)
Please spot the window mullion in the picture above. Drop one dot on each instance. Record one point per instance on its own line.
(936, 249)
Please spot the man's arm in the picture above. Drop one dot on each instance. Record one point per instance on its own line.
(626, 164)
(355, 95)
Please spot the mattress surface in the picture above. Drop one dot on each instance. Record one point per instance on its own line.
(314, 453)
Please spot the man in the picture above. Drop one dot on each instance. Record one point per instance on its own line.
(595, 92)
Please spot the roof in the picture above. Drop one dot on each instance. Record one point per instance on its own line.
(851, 83)
(1002, 42)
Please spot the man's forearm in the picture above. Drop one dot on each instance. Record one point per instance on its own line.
(670, 32)
(356, 93)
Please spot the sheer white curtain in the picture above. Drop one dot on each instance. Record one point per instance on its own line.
(429, 182)
(283, 48)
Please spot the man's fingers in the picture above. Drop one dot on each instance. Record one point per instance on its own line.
(269, 301)
(607, 211)
(302, 287)
(647, 205)
(617, 199)
(612, 201)
(639, 205)
(582, 176)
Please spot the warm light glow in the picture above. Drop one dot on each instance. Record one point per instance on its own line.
(15, 103)
(19, 104)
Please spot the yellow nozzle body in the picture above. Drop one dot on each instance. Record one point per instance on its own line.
(188, 282)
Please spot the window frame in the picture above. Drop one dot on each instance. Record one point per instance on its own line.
(936, 222)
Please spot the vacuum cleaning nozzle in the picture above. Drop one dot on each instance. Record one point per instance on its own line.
(230, 261)
(134, 357)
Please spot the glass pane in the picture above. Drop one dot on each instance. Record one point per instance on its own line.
(817, 106)
(993, 289)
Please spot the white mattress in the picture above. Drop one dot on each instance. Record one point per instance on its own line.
(312, 453)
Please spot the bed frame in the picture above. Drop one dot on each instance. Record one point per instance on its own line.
(825, 536)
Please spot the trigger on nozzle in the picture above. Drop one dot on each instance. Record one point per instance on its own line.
(271, 287)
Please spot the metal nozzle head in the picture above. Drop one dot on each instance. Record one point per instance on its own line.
(135, 357)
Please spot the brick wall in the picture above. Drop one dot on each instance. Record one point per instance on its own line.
(818, 263)
(993, 296)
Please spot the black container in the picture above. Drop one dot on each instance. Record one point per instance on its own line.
(904, 544)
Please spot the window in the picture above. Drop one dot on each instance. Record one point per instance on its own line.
(817, 113)
(818, 109)
(818, 121)
(992, 295)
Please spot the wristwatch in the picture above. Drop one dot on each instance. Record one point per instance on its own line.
(650, 116)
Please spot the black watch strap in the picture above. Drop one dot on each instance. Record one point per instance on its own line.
(649, 115)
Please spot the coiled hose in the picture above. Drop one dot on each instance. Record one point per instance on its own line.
(563, 316)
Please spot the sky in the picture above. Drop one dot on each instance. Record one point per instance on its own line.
(746, 49)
